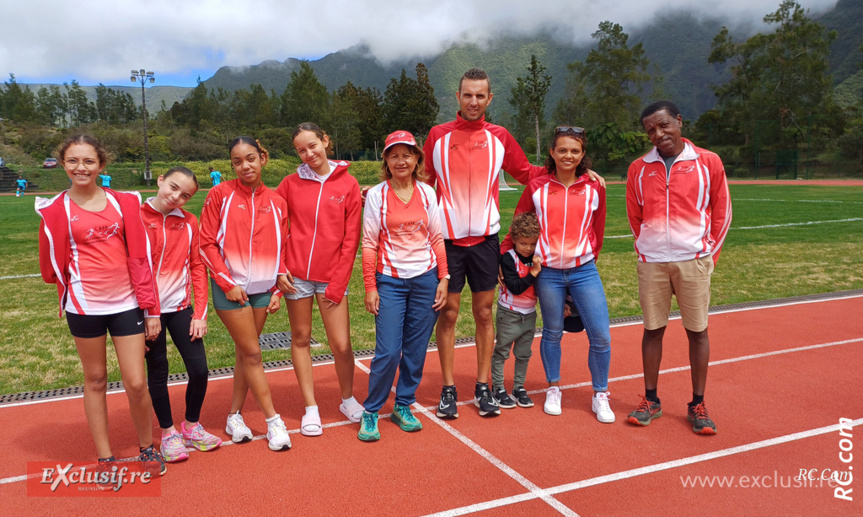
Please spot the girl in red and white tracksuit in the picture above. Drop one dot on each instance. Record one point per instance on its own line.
(570, 208)
(86, 235)
(324, 209)
(243, 226)
(173, 235)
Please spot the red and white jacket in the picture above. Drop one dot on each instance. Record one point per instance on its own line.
(465, 159)
(55, 247)
(242, 233)
(681, 214)
(325, 217)
(571, 220)
(524, 302)
(404, 237)
(176, 259)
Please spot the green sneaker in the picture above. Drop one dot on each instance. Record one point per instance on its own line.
(405, 419)
(369, 427)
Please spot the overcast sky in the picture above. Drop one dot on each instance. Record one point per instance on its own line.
(97, 41)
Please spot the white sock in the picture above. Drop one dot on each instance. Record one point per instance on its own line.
(350, 402)
(312, 411)
(273, 419)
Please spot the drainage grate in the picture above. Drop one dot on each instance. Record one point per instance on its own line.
(283, 340)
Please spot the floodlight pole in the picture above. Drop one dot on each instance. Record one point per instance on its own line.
(143, 76)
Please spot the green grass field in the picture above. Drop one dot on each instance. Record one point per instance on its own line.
(786, 240)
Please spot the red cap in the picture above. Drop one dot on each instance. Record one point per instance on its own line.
(399, 137)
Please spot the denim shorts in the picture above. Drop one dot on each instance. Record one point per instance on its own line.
(307, 288)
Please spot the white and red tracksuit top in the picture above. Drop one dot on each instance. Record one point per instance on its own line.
(80, 251)
(405, 237)
(176, 259)
(242, 233)
(681, 214)
(465, 159)
(571, 220)
(325, 218)
(524, 303)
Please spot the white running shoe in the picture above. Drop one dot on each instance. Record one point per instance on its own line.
(236, 427)
(600, 406)
(552, 401)
(277, 434)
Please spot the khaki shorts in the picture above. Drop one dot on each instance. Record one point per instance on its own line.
(689, 280)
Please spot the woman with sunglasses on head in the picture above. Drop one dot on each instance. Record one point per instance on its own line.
(83, 229)
(325, 212)
(406, 277)
(243, 226)
(571, 208)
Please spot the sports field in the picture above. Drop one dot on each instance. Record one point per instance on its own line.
(787, 239)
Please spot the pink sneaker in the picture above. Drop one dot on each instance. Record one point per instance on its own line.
(172, 448)
(200, 439)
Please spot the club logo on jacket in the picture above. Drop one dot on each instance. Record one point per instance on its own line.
(652, 173)
(241, 205)
(178, 226)
(336, 199)
(74, 218)
(408, 228)
(101, 233)
(480, 145)
(684, 169)
(265, 209)
(153, 226)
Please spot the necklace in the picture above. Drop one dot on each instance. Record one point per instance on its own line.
(404, 194)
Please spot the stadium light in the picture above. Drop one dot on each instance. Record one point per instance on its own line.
(143, 76)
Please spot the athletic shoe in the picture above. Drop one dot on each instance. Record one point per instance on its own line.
(278, 438)
(552, 400)
(237, 428)
(520, 395)
(483, 399)
(198, 438)
(503, 399)
(105, 467)
(600, 406)
(153, 460)
(646, 411)
(369, 427)
(701, 423)
(447, 407)
(172, 448)
(353, 410)
(405, 419)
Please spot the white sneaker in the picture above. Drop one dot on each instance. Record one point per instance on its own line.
(552, 401)
(600, 406)
(277, 434)
(352, 409)
(240, 433)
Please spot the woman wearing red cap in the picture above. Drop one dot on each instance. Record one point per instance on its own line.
(405, 276)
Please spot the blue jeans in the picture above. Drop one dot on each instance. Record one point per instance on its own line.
(403, 326)
(585, 287)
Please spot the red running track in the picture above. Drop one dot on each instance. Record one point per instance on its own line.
(780, 380)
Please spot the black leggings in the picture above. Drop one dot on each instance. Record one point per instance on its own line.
(195, 358)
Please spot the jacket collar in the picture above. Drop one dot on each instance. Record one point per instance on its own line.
(688, 153)
(175, 212)
(472, 125)
(336, 169)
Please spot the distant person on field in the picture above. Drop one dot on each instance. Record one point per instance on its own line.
(216, 176)
(516, 310)
(464, 159)
(106, 180)
(21, 186)
(679, 212)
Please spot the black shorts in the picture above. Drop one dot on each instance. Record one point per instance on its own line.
(479, 263)
(127, 323)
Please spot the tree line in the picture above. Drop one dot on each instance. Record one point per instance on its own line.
(779, 97)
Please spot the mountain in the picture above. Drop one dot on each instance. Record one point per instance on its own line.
(845, 55)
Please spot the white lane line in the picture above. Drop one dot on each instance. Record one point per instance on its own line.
(491, 458)
(783, 225)
(569, 487)
(18, 276)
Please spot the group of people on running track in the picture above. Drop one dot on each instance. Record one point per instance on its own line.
(426, 231)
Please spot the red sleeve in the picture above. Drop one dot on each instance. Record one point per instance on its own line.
(598, 224)
(282, 192)
(428, 152)
(139, 260)
(199, 272)
(351, 243)
(720, 206)
(369, 266)
(525, 204)
(634, 207)
(210, 252)
(515, 162)
(49, 275)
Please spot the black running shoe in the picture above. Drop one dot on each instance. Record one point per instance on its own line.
(447, 407)
(503, 399)
(484, 400)
(153, 461)
(521, 397)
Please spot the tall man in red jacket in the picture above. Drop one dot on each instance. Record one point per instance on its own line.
(679, 211)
